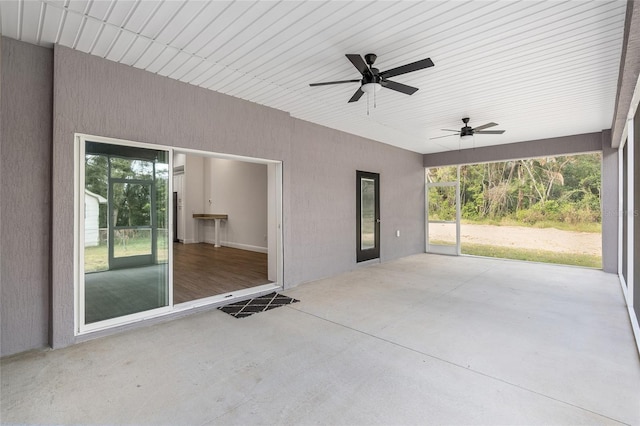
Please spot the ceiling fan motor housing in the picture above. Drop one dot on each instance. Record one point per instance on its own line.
(466, 131)
(371, 77)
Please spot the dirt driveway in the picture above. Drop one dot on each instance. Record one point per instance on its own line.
(550, 239)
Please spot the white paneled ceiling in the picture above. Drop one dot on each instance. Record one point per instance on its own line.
(538, 68)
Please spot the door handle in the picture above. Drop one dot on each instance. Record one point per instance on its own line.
(377, 220)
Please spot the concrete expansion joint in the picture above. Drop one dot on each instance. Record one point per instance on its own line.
(467, 367)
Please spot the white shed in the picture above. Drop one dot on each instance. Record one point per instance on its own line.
(91, 214)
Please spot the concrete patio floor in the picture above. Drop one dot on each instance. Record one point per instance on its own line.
(422, 340)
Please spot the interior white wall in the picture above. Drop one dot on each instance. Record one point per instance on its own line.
(178, 185)
(179, 159)
(238, 189)
(193, 201)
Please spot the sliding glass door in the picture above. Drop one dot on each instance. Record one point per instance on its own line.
(124, 259)
(125, 212)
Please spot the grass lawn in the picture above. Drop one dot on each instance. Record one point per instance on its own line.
(97, 258)
(545, 256)
(563, 226)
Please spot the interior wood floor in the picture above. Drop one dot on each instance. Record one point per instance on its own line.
(202, 270)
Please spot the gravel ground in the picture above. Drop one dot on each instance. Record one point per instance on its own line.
(550, 239)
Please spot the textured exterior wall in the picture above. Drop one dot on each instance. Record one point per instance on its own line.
(95, 96)
(324, 168)
(575, 144)
(610, 208)
(25, 176)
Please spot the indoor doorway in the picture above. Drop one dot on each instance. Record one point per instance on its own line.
(226, 226)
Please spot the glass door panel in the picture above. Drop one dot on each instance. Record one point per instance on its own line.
(367, 214)
(130, 227)
(126, 201)
(132, 242)
(131, 204)
(131, 231)
(443, 212)
(442, 215)
(368, 219)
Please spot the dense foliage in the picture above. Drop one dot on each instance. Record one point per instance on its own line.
(132, 200)
(555, 189)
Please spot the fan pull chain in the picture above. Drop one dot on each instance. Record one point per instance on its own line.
(367, 104)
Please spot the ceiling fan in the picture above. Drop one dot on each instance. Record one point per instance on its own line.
(469, 131)
(373, 79)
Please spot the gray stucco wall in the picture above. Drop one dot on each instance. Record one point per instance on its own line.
(95, 96)
(323, 166)
(588, 142)
(25, 210)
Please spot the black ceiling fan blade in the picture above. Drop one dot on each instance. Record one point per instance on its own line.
(399, 87)
(335, 82)
(445, 136)
(489, 132)
(485, 126)
(450, 130)
(414, 66)
(356, 95)
(358, 62)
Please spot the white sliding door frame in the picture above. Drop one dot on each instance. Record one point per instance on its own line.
(80, 328)
(628, 139)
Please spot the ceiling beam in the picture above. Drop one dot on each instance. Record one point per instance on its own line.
(574, 144)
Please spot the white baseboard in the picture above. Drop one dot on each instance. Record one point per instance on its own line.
(243, 246)
(239, 246)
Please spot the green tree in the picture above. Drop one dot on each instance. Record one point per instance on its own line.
(562, 188)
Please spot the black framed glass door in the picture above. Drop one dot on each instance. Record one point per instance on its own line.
(368, 215)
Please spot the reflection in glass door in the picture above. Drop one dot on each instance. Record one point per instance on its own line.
(368, 215)
(443, 211)
(130, 232)
(126, 203)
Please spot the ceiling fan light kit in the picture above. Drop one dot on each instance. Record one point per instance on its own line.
(369, 88)
(373, 79)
